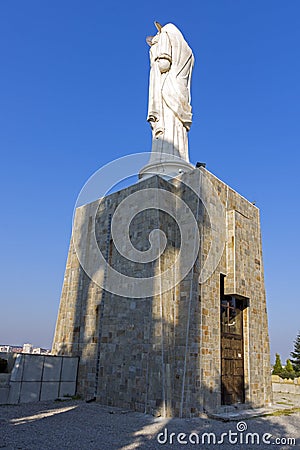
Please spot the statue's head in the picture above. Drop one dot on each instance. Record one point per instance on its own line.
(151, 39)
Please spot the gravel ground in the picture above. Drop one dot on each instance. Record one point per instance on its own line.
(79, 425)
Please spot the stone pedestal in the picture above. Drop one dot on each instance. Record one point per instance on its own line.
(168, 168)
(162, 354)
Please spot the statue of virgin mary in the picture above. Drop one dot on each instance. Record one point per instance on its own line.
(169, 107)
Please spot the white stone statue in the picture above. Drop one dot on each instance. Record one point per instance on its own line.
(169, 108)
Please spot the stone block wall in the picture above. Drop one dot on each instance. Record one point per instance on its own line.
(161, 354)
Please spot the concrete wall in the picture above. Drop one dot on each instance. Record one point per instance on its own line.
(10, 358)
(285, 385)
(39, 377)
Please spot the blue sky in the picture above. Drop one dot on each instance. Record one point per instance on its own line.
(73, 96)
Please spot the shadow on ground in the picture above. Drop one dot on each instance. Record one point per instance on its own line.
(80, 425)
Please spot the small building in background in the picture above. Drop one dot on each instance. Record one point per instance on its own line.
(27, 348)
(6, 348)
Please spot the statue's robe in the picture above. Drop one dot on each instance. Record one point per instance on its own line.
(169, 109)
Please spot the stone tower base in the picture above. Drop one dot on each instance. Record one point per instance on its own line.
(193, 348)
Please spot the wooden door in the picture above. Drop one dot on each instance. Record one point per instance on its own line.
(232, 354)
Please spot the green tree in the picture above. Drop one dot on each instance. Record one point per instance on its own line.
(289, 367)
(288, 371)
(277, 368)
(296, 355)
